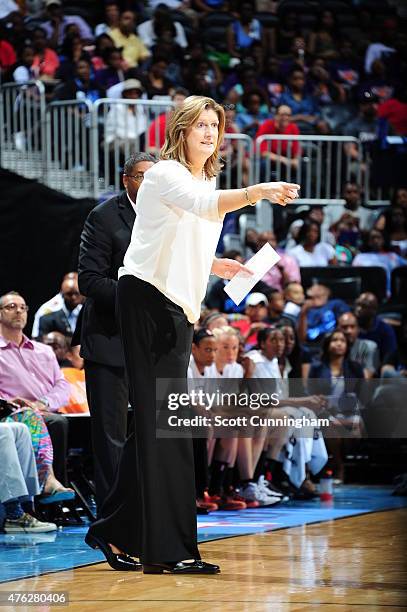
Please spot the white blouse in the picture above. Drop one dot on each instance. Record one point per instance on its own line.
(175, 234)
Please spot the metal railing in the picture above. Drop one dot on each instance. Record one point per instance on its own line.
(79, 147)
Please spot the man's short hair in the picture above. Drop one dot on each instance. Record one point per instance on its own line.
(8, 293)
(136, 159)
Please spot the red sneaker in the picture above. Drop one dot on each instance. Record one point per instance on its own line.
(211, 499)
(205, 505)
(230, 503)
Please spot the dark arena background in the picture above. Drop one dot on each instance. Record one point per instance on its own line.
(314, 93)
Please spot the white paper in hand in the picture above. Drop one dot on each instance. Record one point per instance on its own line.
(259, 264)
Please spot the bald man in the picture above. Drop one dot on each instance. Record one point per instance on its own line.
(64, 320)
(52, 305)
(364, 351)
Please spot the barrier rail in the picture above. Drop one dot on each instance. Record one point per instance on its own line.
(79, 147)
(22, 128)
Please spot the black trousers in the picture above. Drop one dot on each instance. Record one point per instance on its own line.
(151, 512)
(57, 425)
(107, 391)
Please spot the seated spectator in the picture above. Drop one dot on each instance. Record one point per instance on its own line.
(156, 131)
(254, 113)
(242, 81)
(113, 72)
(19, 480)
(52, 305)
(30, 373)
(23, 71)
(82, 87)
(112, 18)
(8, 55)
(373, 328)
(64, 320)
(347, 68)
(323, 89)
(46, 61)
(363, 126)
(126, 123)
(378, 254)
(273, 80)
(134, 51)
(314, 213)
(285, 152)
(363, 351)
(196, 55)
(336, 376)
(396, 363)
(72, 50)
(102, 43)
(58, 23)
(283, 36)
(244, 31)
(285, 271)
(275, 307)
(305, 110)
(256, 311)
(322, 42)
(310, 251)
(294, 298)
(72, 368)
(319, 315)
(295, 361)
(155, 83)
(378, 82)
(353, 209)
(299, 58)
(394, 111)
(395, 230)
(160, 27)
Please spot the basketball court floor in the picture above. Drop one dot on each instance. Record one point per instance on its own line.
(346, 555)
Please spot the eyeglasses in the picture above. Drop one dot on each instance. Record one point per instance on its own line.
(137, 177)
(13, 307)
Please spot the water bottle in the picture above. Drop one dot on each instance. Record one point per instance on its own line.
(326, 487)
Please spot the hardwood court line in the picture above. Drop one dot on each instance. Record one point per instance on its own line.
(226, 537)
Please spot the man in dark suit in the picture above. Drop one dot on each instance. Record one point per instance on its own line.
(105, 238)
(64, 320)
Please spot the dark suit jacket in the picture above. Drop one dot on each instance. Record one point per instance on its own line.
(104, 241)
(320, 378)
(55, 321)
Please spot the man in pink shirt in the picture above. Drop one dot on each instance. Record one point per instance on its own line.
(286, 152)
(30, 376)
(286, 269)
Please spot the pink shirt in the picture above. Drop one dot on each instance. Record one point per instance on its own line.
(31, 371)
(274, 277)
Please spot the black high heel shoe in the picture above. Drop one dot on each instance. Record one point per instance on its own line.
(120, 562)
(182, 567)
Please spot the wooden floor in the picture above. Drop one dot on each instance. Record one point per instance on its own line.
(356, 563)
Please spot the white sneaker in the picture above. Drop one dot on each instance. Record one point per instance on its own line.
(27, 524)
(252, 492)
(264, 485)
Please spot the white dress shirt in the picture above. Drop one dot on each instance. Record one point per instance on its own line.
(175, 234)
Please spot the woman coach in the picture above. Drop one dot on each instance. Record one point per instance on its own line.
(151, 513)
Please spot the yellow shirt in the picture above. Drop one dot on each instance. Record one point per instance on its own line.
(133, 48)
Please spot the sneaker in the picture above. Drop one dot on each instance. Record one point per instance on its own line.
(27, 524)
(211, 499)
(267, 486)
(261, 495)
(232, 502)
(206, 505)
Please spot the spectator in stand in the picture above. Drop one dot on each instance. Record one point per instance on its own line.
(52, 305)
(394, 110)
(23, 70)
(323, 88)
(82, 87)
(17, 32)
(112, 18)
(273, 80)
(134, 51)
(336, 376)
(285, 271)
(161, 27)
(319, 315)
(244, 31)
(254, 114)
(57, 24)
(323, 41)
(395, 229)
(310, 251)
(71, 52)
(379, 83)
(373, 328)
(282, 37)
(65, 319)
(276, 307)
(29, 373)
(19, 480)
(298, 59)
(285, 152)
(155, 83)
(196, 54)
(126, 123)
(353, 209)
(113, 73)
(378, 254)
(364, 351)
(256, 311)
(8, 55)
(156, 131)
(305, 109)
(364, 126)
(294, 298)
(241, 81)
(347, 68)
(235, 155)
(102, 43)
(46, 61)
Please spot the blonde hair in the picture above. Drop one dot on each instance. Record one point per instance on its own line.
(226, 330)
(183, 119)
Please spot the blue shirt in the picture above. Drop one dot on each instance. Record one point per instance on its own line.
(322, 320)
(307, 106)
(383, 334)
